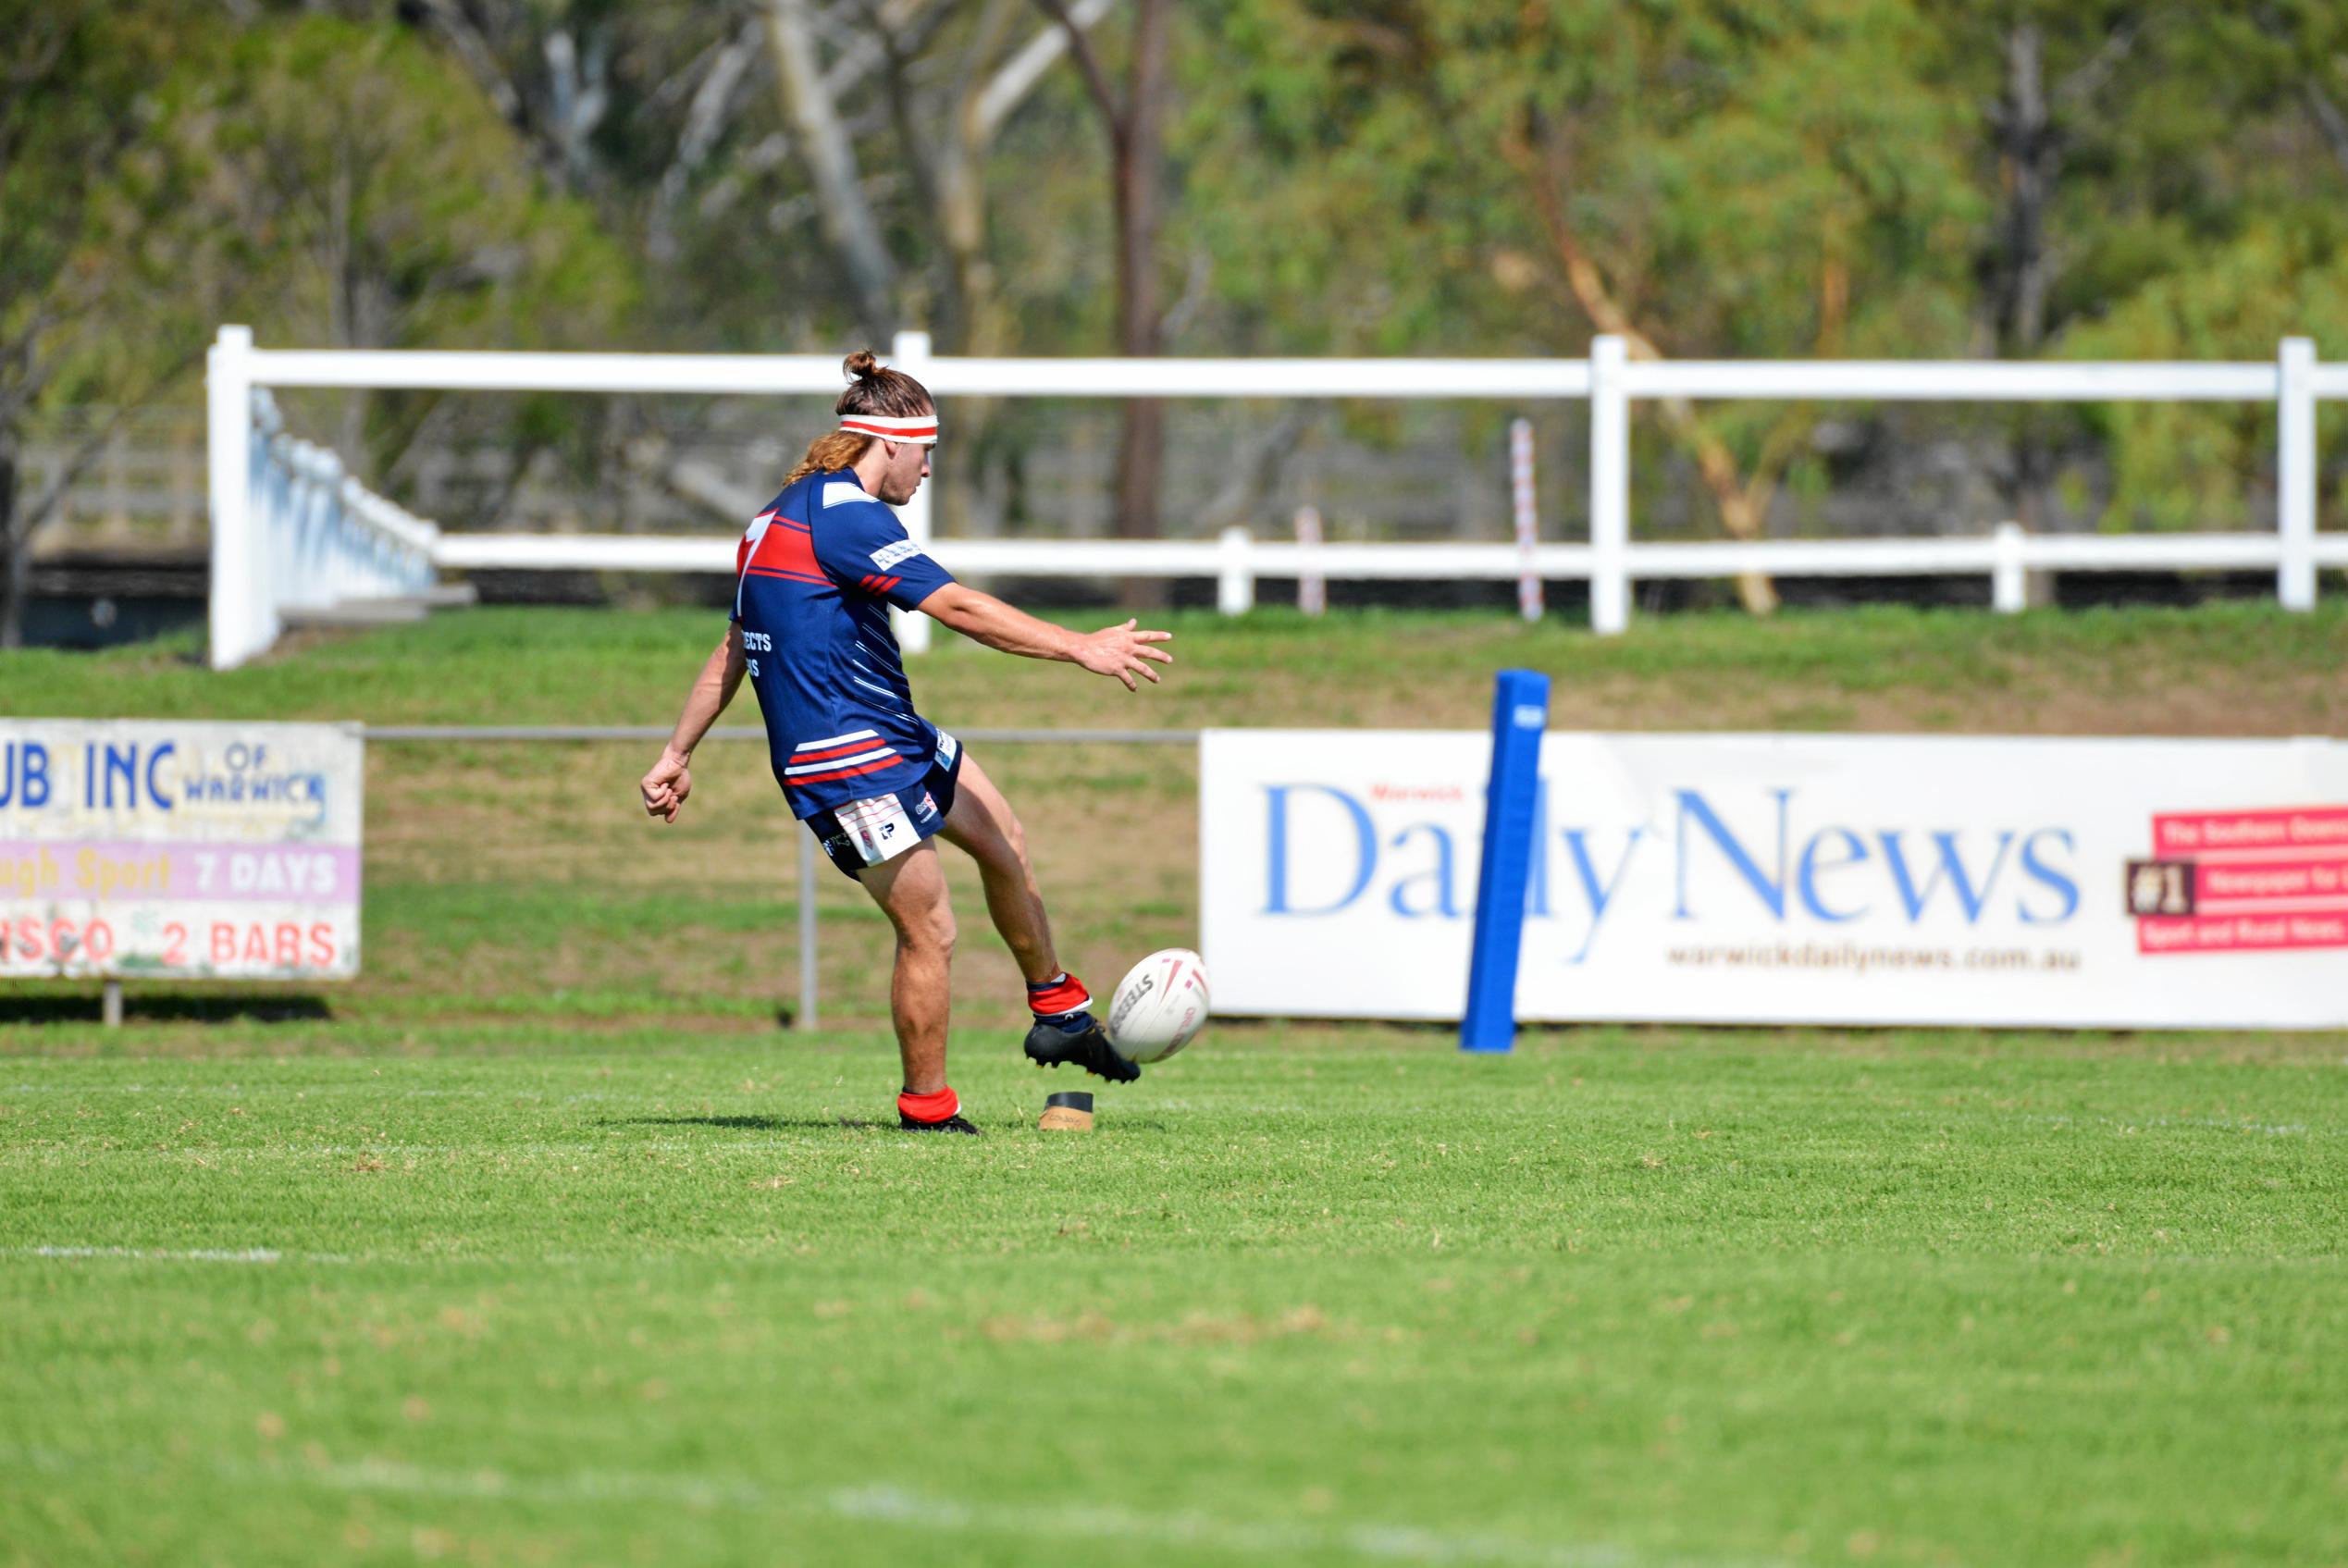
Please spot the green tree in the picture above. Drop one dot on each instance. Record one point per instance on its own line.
(1703, 176)
(2217, 224)
(75, 105)
(379, 201)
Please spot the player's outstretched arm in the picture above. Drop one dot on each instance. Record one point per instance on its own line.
(670, 779)
(1120, 651)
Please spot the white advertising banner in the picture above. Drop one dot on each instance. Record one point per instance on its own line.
(168, 850)
(1789, 879)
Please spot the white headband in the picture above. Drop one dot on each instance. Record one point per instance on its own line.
(919, 430)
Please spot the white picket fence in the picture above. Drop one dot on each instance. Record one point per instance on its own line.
(257, 573)
(303, 536)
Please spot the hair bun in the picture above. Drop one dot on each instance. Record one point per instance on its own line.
(862, 364)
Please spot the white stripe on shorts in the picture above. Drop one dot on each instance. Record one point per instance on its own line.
(837, 740)
(831, 763)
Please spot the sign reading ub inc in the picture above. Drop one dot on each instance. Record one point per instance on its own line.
(1789, 879)
(179, 850)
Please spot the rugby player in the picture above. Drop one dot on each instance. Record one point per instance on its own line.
(875, 782)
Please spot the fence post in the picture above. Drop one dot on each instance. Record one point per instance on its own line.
(1311, 585)
(2008, 584)
(911, 353)
(239, 613)
(310, 576)
(2295, 472)
(273, 526)
(1608, 486)
(1522, 494)
(1235, 584)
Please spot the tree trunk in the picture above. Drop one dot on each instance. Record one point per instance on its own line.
(975, 322)
(2027, 154)
(849, 221)
(1140, 453)
(1742, 508)
(2026, 151)
(14, 552)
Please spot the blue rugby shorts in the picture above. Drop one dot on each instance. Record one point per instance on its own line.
(866, 832)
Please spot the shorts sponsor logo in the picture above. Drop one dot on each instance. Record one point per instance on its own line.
(872, 825)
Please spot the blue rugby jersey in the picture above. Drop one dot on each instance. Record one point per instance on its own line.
(816, 572)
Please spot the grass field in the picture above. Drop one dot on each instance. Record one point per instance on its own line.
(1306, 1297)
(543, 1243)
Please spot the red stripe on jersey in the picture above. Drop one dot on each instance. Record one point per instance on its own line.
(787, 552)
(742, 551)
(841, 773)
(786, 576)
(848, 750)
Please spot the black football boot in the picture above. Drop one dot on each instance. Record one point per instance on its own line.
(1078, 1037)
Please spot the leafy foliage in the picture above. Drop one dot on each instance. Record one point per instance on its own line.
(1819, 177)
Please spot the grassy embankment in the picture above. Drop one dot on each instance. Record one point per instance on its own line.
(506, 879)
(541, 1243)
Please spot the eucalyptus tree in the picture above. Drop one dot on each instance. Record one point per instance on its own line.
(2212, 220)
(1133, 118)
(1701, 177)
(379, 201)
(75, 280)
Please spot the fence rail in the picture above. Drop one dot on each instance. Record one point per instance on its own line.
(246, 598)
(308, 537)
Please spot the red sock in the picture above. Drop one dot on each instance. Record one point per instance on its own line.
(1061, 994)
(929, 1107)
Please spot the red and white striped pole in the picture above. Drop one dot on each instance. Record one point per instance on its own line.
(1312, 588)
(1529, 603)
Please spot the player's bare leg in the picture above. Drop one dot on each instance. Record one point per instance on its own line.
(983, 825)
(910, 889)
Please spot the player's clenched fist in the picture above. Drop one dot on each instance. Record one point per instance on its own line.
(666, 786)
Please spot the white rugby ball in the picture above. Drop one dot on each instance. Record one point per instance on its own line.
(1160, 1005)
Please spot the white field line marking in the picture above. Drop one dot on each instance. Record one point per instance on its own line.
(263, 1256)
(885, 1504)
(198, 1255)
(267, 1256)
